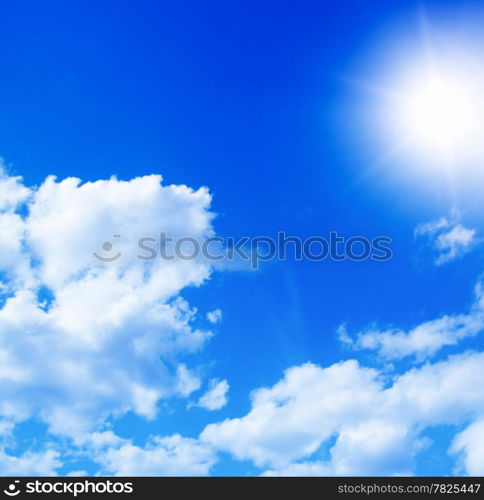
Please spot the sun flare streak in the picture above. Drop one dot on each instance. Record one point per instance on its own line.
(426, 106)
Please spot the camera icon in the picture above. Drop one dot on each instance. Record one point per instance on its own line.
(12, 490)
(107, 246)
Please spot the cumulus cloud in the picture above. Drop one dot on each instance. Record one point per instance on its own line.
(12, 190)
(161, 456)
(43, 463)
(423, 340)
(82, 339)
(291, 419)
(469, 445)
(216, 396)
(448, 238)
(376, 422)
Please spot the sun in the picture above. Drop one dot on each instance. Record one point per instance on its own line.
(438, 112)
(423, 104)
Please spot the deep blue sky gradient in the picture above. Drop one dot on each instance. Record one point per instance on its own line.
(250, 99)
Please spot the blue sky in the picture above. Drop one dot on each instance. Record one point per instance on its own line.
(282, 112)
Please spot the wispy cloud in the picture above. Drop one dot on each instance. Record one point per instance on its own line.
(214, 316)
(216, 396)
(448, 238)
(423, 340)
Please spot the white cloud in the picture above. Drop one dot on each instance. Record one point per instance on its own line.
(377, 422)
(12, 190)
(290, 420)
(14, 268)
(80, 339)
(77, 473)
(304, 469)
(216, 396)
(453, 243)
(162, 456)
(214, 316)
(425, 339)
(343, 335)
(449, 239)
(187, 382)
(375, 447)
(42, 463)
(469, 444)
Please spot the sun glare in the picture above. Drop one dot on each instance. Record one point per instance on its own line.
(439, 113)
(427, 103)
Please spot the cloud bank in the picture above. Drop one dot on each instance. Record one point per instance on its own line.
(377, 424)
(82, 340)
